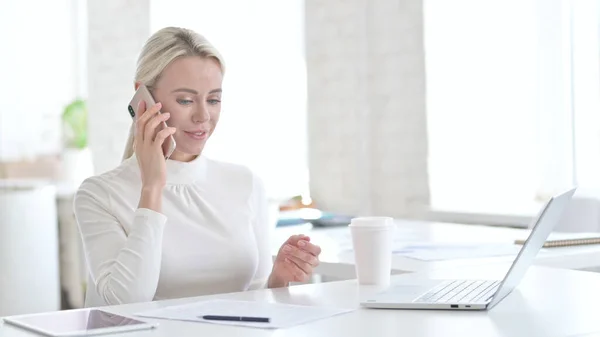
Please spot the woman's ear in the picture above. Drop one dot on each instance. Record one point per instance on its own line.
(137, 85)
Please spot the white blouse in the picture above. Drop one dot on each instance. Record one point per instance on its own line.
(211, 237)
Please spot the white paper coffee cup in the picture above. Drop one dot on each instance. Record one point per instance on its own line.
(372, 239)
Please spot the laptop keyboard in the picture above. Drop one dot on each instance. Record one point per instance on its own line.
(460, 291)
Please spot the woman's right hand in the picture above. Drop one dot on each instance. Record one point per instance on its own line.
(148, 146)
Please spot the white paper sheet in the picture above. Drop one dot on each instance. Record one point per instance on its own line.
(281, 315)
(432, 251)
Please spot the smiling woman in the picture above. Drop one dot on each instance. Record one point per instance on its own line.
(187, 226)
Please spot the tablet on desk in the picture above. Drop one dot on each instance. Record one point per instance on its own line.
(84, 322)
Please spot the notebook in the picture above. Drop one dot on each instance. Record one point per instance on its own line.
(568, 239)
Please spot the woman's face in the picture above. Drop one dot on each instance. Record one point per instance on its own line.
(190, 90)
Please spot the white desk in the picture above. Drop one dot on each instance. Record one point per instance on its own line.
(337, 260)
(549, 302)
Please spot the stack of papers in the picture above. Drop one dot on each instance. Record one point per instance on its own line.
(280, 315)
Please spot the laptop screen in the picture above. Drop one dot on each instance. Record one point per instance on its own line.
(544, 223)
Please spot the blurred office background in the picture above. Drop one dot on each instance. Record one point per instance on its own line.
(463, 111)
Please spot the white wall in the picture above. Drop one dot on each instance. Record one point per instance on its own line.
(37, 69)
(366, 106)
(116, 32)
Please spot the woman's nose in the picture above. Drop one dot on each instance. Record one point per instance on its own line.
(201, 114)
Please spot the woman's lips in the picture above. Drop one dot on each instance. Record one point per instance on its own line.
(197, 135)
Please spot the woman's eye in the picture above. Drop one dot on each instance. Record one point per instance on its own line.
(213, 101)
(184, 101)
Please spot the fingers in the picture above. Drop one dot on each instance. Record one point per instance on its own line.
(298, 273)
(305, 267)
(309, 247)
(163, 134)
(145, 117)
(299, 257)
(153, 124)
(293, 240)
(292, 251)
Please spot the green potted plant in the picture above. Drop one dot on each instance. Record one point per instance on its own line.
(74, 120)
(76, 155)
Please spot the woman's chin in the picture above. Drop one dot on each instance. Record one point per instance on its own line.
(190, 150)
(189, 147)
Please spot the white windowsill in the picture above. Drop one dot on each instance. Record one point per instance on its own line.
(505, 217)
(507, 220)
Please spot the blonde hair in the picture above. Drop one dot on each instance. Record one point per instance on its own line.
(162, 48)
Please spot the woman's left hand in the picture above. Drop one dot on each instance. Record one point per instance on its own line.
(295, 261)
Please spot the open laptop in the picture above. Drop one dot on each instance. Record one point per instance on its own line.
(425, 293)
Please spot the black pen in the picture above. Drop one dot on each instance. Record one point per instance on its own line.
(236, 318)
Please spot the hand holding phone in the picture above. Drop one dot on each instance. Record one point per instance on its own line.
(148, 145)
(151, 133)
(142, 94)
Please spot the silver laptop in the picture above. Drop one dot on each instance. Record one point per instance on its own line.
(459, 294)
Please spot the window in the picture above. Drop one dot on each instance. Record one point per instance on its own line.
(586, 91)
(38, 76)
(513, 102)
(263, 118)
